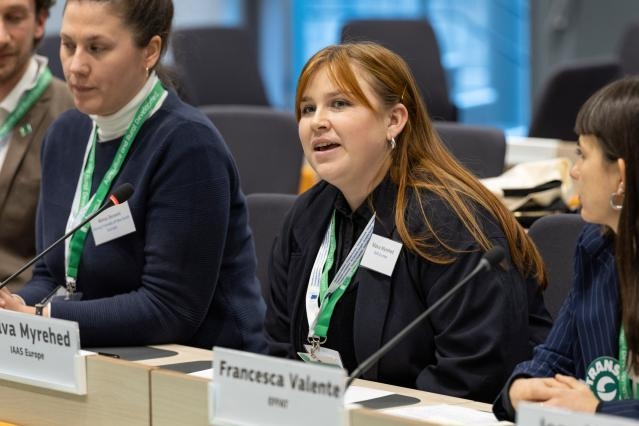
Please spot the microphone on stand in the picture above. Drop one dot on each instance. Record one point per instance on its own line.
(491, 258)
(120, 195)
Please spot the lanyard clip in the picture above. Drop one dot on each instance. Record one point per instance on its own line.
(71, 287)
(316, 343)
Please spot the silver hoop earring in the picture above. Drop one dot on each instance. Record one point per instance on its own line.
(616, 201)
(392, 142)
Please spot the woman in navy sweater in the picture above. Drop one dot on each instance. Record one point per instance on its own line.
(179, 264)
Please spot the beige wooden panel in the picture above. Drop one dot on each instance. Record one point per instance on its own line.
(178, 399)
(364, 417)
(118, 392)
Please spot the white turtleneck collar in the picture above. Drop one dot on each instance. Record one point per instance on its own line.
(114, 126)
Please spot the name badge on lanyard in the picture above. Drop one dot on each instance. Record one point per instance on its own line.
(381, 255)
(113, 223)
(321, 356)
(321, 297)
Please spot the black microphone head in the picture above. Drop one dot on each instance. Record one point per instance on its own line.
(122, 192)
(119, 196)
(494, 256)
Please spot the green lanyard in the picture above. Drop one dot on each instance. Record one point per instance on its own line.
(330, 295)
(78, 239)
(625, 387)
(26, 102)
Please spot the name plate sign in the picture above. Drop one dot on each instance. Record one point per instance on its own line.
(250, 389)
(41, 351)
(538, 415)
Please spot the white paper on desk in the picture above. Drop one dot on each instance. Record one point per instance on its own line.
(356, 394)
(207, 374)
(446, 414)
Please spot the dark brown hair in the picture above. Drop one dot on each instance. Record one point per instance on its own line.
(43, 5)
(420, 161)
(612, 116)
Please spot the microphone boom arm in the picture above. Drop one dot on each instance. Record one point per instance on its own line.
(491, 258)
(121, 194)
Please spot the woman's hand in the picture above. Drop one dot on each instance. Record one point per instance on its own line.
(13, 303)
(577, 396)
(535, 390)
(559, 391)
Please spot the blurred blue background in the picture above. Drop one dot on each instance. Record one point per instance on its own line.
(496, 53)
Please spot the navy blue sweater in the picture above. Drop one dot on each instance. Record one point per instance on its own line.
(187, 275)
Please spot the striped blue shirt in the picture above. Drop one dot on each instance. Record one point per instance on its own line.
(586, 328)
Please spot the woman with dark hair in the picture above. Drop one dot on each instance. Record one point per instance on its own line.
(589, 361)
(392, 192)
(178, 264)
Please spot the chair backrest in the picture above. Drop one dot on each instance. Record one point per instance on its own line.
(563, 94)
(266, 215)
(482, 150)
(415, 42)
(49, 46)
(556, 238)
(629, 49)
(218, 65)
(264, 143)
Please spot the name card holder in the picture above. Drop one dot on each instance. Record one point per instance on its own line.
(43, 352)
(538, 415)
(251, 389)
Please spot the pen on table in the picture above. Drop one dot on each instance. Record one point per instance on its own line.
(109, 355)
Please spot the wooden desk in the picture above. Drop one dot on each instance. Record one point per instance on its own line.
(117, 393)
(178, 398)
(183, 399)
(142, 393)
(426, 398)
(368, 417)
(184, 354)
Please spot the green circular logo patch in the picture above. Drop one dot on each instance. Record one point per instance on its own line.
(602, 376)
